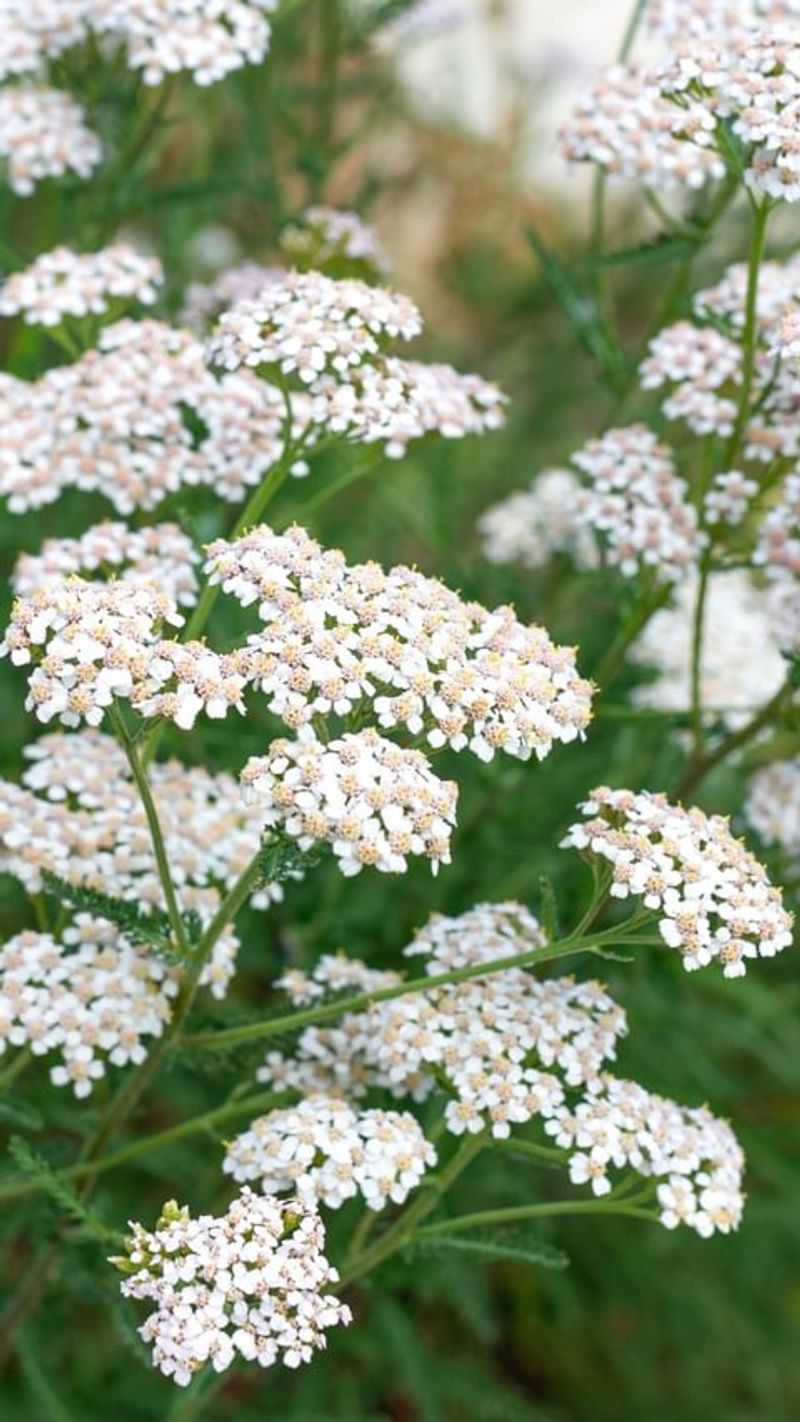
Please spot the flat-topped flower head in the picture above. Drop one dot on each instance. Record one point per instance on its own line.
(328, 1152)
(335, 636)
(204, 38)
(636, 501)
(137, 419)
(205, 301)
(64, 283)
(713, 898)
(660, 123)
(533, 525)
(693, 1157)
(309, 325)
(161, 555)
(88, 643)
(91, 998)
(252, 1283)
(43, 134)
(741, 658)
(33, 31)
(505, 1047)
(372, 801)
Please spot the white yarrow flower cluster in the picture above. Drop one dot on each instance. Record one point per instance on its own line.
(137, 419)
(638, 504)
(507, 1045)
(328, 1152)
(252, 1283)
(92, 998)
(205, 301)
(64, 283)
(43, 134)
(374, 802)
(712, 897)
(32, 31)
(336, 635)
(162, 555)
(532, 525)
(693, 1156)
(208, 38)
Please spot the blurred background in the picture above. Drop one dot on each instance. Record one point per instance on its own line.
(442, 130)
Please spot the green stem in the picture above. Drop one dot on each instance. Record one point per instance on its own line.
(514, 1214)
(424, 1202)
(637, 619)
(329, 1011)
(154, 825)
(18, 1065)
(761, 212)
(245, 1106)
(549, 1155)
(698, 623)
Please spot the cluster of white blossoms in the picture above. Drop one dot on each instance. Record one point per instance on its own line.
(65, 283)
(729, 498)
(741, 662)
(329, 337)
(772, 806)
(137, 419)
(374, 802)
(695, 1157)
(504, 1047)
(658, 123)
(328, 1151)
(161, 555)
(324, 235)
(638, 504)
(531, 525)
(309, 325)
(207, 38)
(90, 642)
(43, 134)
(712, 897)
(77, 814)
(675, 19)
(91, 998)
(251, 1283)
(336, 635)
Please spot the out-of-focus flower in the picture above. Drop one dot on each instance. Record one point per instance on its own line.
(66, 283)
(325, 235)
(772, 806)
(43, 134)
(161, 554)
(532, 525)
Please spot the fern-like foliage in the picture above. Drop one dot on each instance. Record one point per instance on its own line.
(29, 1162)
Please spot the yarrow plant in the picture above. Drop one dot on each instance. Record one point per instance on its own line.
(176, 920)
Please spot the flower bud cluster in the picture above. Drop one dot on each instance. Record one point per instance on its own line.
(693, 1156)
(65, 283)
(504, 1046)
(325, 235)
(336, 635)
(374, 802)
(328, 1152)
(712, 896)
(251, 1283)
